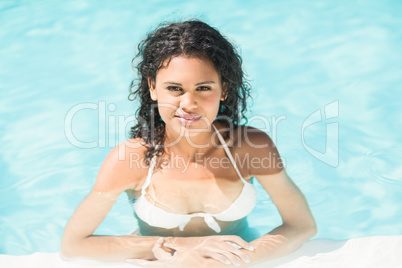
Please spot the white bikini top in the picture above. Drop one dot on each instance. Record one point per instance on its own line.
(158, 217)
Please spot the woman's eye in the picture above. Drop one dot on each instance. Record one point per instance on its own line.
(173, 88)
(203, 88)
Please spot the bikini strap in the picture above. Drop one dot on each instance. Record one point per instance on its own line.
(225, 147)
(148, 179)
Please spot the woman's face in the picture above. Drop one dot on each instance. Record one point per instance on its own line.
(188, 91)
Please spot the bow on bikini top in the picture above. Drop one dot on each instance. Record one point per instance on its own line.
(158, 217)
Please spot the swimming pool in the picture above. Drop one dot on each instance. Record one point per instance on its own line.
(326, 77)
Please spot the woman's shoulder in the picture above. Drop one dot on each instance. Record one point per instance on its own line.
(123, 168)
(244, 137)
(257, 150)
(250, 136)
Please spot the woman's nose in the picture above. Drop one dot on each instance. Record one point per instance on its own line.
(188, 101)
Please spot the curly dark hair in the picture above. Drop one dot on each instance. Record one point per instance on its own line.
(191, 38)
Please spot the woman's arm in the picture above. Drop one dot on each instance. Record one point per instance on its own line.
(298, 223)
(118, 173)
(79, 242)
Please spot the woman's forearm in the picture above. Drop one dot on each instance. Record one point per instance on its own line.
(109, 248)
(280, 241)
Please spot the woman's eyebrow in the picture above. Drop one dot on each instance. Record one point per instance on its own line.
(172, 83)
(205, 82)
(199, 83)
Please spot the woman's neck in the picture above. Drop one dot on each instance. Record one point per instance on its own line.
(190, 146)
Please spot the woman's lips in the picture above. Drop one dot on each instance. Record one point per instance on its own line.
(188, 119)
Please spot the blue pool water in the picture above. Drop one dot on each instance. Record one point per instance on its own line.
(326, 77)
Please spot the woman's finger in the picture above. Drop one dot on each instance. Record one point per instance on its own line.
(229, 251)
(236, 251)
(170, 245)
(240, 242)
(232, 258)
(219, 257)
(159, 252)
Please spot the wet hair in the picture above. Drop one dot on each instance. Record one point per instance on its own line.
(191, 38)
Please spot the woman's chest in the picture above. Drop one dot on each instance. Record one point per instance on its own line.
(194, 189)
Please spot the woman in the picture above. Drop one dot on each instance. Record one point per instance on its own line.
(188, 165)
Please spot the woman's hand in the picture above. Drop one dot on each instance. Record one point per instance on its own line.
(198, 252)
(166, 257)
(225, 249)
